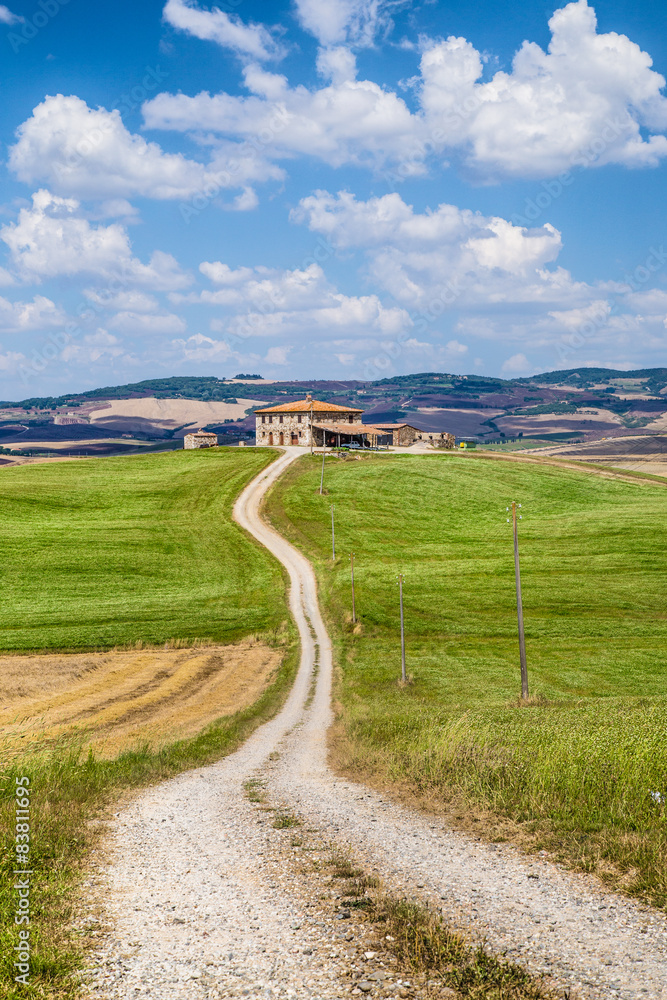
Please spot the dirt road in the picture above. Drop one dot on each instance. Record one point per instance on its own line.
(201, 908)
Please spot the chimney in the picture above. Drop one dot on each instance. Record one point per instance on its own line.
(309, 398)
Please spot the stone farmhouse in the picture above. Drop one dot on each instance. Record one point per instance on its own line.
(200, 439)
(311, 420)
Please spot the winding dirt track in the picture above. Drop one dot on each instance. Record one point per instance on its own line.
(193, 894)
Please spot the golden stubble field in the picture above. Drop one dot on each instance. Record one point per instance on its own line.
(117, 700)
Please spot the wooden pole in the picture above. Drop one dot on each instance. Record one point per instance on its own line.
(333, 535)
(519, 606)
(324, 450)
(354, 610)
(311, 427)
(400, 595)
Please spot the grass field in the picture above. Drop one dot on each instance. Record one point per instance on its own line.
(128, 553)
(574, 771)
(110, 552)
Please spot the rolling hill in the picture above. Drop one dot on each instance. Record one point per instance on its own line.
(579, 405)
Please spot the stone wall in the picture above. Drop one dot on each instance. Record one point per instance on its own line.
(437, 439)
(200, 441)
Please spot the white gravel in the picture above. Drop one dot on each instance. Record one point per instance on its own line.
(201, 905)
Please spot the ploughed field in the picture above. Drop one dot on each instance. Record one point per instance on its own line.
(580, 771)
(133, 608)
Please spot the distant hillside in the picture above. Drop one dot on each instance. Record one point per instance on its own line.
(579, 404)
(404, 389)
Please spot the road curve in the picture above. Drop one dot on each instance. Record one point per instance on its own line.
(191, 889)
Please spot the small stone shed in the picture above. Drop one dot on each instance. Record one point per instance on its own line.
(200, 439)
(402, 435)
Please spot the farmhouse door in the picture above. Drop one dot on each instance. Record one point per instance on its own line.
(270, 438)
(295, 439)
(282, 438)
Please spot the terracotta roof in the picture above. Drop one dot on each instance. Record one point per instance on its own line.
(395, 427)
(202, 433)
(304, 405)
(348, 428)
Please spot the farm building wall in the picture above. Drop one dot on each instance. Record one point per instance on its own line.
(294, 427)
(200, 440)
(439, 439)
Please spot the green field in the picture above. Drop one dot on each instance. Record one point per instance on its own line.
(113, 551)
(574, 770)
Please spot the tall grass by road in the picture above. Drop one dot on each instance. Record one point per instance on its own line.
(582, 769)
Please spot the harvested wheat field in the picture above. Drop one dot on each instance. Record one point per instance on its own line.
(116, 700)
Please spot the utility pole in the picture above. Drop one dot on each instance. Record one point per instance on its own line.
(400, 579)
(311, 427)
(324, 451)
(519, 601)
(333, 534)
(354, 610)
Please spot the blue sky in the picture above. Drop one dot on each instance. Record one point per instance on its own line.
(329, 189)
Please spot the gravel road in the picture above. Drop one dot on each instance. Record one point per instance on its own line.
(201, 906)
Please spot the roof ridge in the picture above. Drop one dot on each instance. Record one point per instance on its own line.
(305, 406)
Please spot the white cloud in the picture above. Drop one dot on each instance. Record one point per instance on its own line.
(277, 355)
(585, 102)
(244, 202)
(201, 348)
(337, 64)
(6, 16)
(131, 300)
(88, 153)
(352, 21)
(582, 103)
(118, 208)
(222, 274)
(476, 276)
(5, 278)
(51, 239)
(141, 323)
(94, 347)
(455, 348)
(349, 121)
(267, 302)
(20, 317)
(227, 30)
(448, 257)
(518, 364)
(11, 361)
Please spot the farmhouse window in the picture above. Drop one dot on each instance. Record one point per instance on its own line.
(281, 418)
(298, 419)
(350, 419)
(263, 419)
(270, 419)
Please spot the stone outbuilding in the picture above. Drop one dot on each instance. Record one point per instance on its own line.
(439, 439)
(403, 435)
(200, 439)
